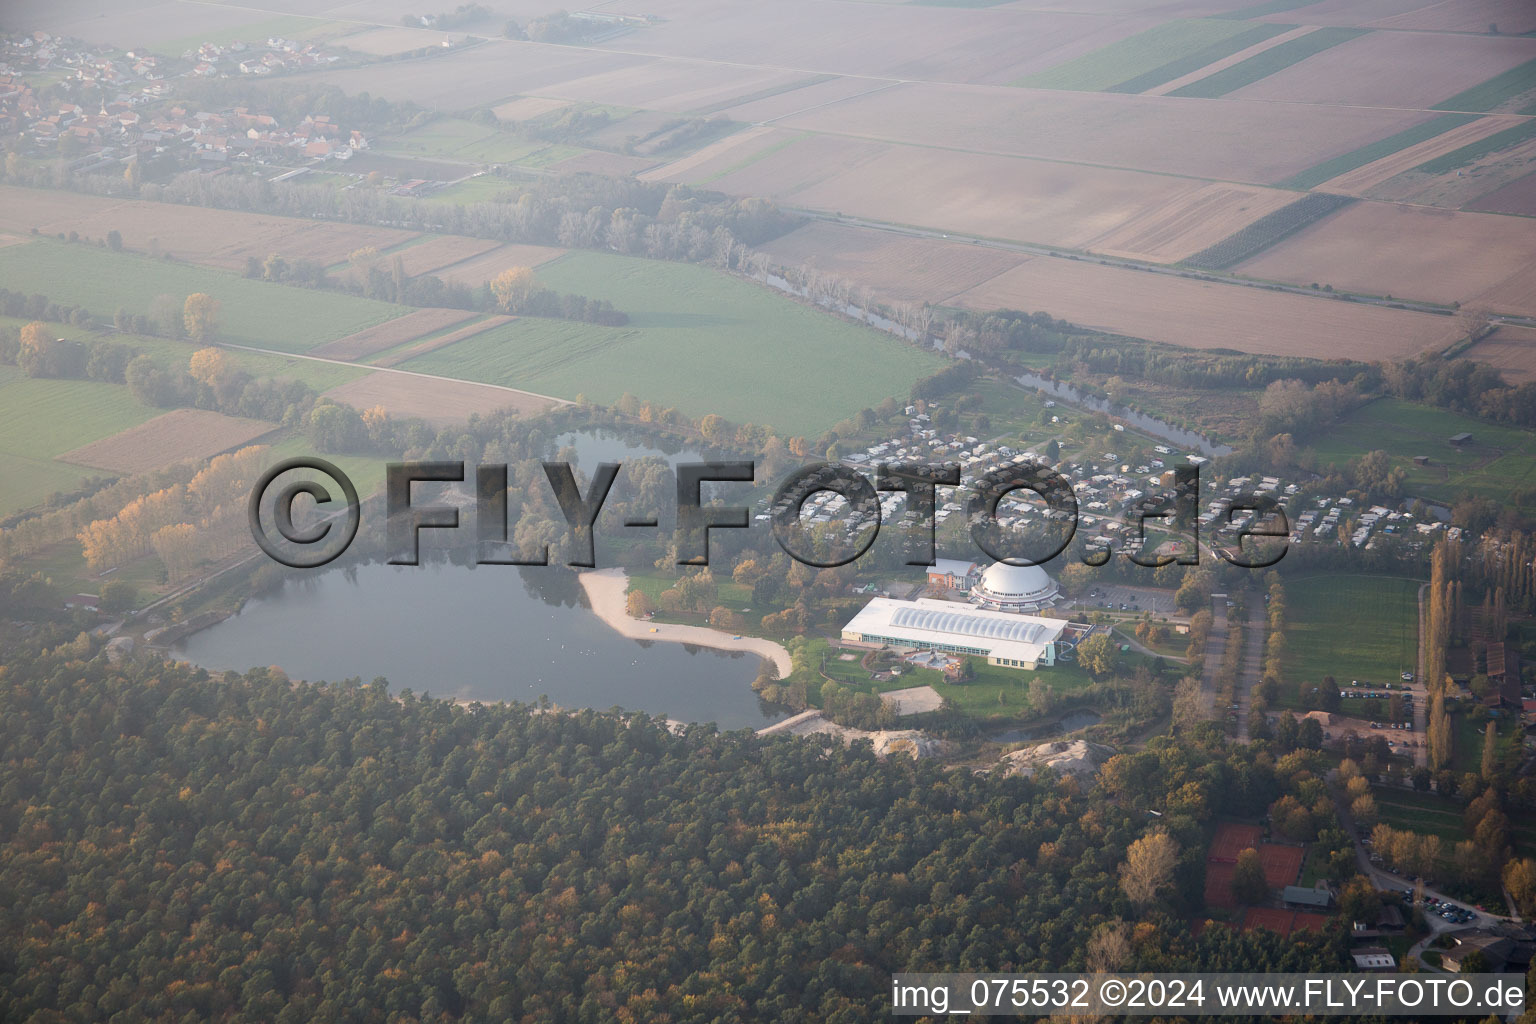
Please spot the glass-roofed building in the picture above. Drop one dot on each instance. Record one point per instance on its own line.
(1003, 638)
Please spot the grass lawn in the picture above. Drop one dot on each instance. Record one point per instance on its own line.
(449, 138)
(1262, 65)
(43, 418)
(1320, 173)
(254, 313)
(481, 189)
(698, 340)
(1138, 55)
(1498, 462)
(1351, 627)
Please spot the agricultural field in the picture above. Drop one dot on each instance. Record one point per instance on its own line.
(697, 340)
(898, 268)
(440, 402)
(449, 138)
(477, 270)
(1514, 17)
(1213, 59)
(1197, 314)
(1513, 84)
(716, 160)
(1152, 57)
(41, 419)
(217, 238)
(1398, 69)
(526, 108)
(1433, 255)
(1210, 141)
(1518, 197)
(430, 255)
(181, 435)
(1475, 151)
(1262, 65)
(373, 340)
(1408, 141)
(1193, 223)
(386, 42)
(252, 313)
(1498, 463)
(437, 340)
(1268, 230)
(1351, 627)
(1510, 350)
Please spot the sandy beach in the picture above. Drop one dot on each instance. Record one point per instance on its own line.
(606, 589)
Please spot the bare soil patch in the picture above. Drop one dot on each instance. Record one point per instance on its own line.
(385, 42)
(1518, 197)
(439, 401)
(477, 270)
(177, 436)
(390, 333)
(969, 193)
(1231, 139)
(613, 165)
(1399, 69)
(1190, 223)
(436, 253)
(526, 108)
(1197, 314)
(1414, 252)
(1512, 17)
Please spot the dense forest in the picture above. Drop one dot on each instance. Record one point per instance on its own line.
(179, 846)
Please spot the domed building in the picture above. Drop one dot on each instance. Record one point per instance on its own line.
(1015, 588)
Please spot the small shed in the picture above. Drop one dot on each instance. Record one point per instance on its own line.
(1460, 439)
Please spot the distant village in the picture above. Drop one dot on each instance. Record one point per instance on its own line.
(130, 120)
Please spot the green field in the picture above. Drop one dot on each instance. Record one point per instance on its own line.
(1142, 54)
(1262, 65)
(1219, 50)
(449, 138)
(1351, 627)
(43, 418)
(253, 313)
(697, 340)
(1430, 814)
(174, 355)
(1498, 463)
(482, 189)
(1313, 176)
(1475, 151)
(1498, 90)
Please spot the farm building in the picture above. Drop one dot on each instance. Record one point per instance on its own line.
(1003, 638)
(1015, 588)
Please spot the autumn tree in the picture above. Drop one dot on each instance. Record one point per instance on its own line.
(200, 316)
(513, 287)
(638, 604)
(1248, 882)
(208, 365)
(1148, 868)
(1097, 654)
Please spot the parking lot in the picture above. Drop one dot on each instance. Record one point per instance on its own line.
(1135, 599)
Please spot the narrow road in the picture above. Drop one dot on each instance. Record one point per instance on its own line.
(1215, 653)
(1420, 692)
(1253, 663)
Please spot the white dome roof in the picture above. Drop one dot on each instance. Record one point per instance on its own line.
(1006, 580)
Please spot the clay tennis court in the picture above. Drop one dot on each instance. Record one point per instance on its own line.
(1282, 864)
(1231, 840)
(1218, 886)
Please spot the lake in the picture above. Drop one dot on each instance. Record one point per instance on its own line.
(485, 633)
(488, 633)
